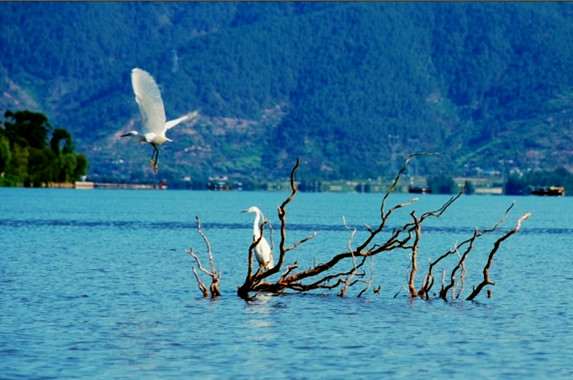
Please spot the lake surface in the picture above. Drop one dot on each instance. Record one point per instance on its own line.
(97, 284)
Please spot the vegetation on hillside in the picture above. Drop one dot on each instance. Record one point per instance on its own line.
(524, 183)
(350, 88)
(33, 153)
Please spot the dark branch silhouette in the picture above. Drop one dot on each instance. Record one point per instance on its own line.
(348, 268)
(326, 275)
(497, 244)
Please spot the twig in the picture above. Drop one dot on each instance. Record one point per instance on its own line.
(497, 244)
(214, 288)
(443, 293)
(200, 284)
(414, 262)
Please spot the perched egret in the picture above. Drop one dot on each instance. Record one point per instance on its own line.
(263, 252)
(152, 111)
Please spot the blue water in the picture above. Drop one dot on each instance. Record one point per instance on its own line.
(97, 284)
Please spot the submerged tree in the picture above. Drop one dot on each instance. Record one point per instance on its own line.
(348, 268)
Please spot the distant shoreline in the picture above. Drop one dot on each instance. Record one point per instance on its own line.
(327, 187)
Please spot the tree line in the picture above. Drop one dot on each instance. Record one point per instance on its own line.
(33, 153)
(523, 184)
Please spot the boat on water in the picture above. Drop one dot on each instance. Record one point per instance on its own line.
(555, 191)
(219, 185)
(419, 190)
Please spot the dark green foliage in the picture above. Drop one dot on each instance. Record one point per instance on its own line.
(59, 135)
(26, 158)
(27, 128)
(441, 184)
(516, 185)
(523, 184)
(5, 153)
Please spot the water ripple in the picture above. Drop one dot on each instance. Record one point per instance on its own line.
(131, 224)
(81, 298)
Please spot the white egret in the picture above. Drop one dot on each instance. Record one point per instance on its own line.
(263, 252)
(152, 111)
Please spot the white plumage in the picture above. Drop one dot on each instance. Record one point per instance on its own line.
(148, 98)
(263, 252)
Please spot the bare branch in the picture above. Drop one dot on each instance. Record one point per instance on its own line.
(461, 280)
(418, 230)
(282, 214)
(398, 176)
(207, 244)
(444, 291)
(350, 277)
(201, 268)
(385, 215)
(428, 279)
(289, 269)
(200, 284)
(407, 237)
(214, 288)
(369, 282)
(295, 245)
(497, 244)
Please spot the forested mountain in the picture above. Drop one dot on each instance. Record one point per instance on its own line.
(350, 88)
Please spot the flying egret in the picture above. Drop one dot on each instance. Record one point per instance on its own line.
(263, 252)
(152, 111)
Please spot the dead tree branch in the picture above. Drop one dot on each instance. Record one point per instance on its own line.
(331, 274)
(200, 283)
(399, 239)
(348, 280)
(369, 281)
(385, 215)
(444, 291)
(497, 244)
(429, 279)
(418, 231)
(214, 288)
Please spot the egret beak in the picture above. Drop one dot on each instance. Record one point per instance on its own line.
(244, 210)
(130, 133)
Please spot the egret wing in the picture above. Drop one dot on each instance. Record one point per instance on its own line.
(148, 98)
(171, 123)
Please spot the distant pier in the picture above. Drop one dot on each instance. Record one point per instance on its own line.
(133, 186)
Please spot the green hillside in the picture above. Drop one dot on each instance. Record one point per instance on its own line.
(350, 88)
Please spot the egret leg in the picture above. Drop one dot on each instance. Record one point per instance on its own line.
(154, 157)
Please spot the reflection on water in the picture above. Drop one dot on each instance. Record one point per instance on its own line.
(93, 284)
